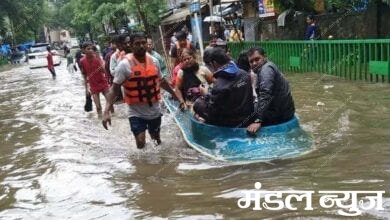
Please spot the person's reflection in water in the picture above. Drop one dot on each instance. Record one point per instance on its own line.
(158, 190)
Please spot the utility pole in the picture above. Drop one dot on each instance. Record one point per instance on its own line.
(211, 14)
(251, 22)
(195, 9)
(12, 31)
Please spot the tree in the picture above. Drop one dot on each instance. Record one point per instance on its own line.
(147, 12)
(62, 15)
(26, 18)
(111, 14)
(299, 5)
(308, 6)
(92, 16)
(89, 15)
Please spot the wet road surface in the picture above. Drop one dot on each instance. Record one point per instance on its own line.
(58, 162)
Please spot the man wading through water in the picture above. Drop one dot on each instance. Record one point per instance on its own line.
(50, 63)
(141, 77)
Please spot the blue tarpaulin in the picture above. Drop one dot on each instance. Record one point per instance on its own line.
(25, 46)
(360, 5)
(5, 48)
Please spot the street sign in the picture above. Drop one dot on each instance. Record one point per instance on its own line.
(195, 6)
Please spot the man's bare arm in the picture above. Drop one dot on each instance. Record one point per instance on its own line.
(112, 96)
(167, 87)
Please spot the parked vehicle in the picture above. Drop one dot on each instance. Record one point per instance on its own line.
(73, 43)
(37, 56)
(18, 57)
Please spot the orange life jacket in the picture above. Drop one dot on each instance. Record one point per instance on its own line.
(188, 45)
(143, 86)
(180, 49)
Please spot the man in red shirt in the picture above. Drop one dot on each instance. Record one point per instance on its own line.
(94, 74)
(50, 63)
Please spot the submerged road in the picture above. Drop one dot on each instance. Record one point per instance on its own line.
(58, 162)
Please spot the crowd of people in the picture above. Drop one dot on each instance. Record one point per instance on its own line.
(250, 92)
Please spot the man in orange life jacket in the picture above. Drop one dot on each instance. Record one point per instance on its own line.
(140, 74)
(181, 43)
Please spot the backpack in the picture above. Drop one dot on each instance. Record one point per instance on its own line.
(317, 33)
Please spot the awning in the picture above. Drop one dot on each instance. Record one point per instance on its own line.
(228, 7)
(229, 1)
(230, 10)
(178, 16)
(282, 17)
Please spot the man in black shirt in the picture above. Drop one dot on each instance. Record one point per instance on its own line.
(275, 102)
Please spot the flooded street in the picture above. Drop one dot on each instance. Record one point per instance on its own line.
(58, 162)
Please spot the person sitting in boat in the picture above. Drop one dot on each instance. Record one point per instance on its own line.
(275, 102)
(190, 77)
(207, 59)
(213, 42)
(243, 63)
(181, 43)
(222, 44)
(230, 102)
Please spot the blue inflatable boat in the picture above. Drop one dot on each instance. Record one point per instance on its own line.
(234, 144)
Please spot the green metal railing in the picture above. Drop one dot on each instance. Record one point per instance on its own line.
(351, 59)
(3, 61)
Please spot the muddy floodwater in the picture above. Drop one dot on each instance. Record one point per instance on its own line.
(58, 162)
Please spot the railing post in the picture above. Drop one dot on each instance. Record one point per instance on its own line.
(349, 59)
(330, 56)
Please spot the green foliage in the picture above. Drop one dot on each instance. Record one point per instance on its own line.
(90, 16)
(150, 8)
(147, 12)
(81, 16)
(26, 18)
(111, 14)
(60, 17)
(308, 5)
(3, 26)
(295, 4)
(84, 16)
(344, 4)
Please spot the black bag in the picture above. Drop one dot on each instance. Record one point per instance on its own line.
(119, 99)
(88, 103)
(317, 33)
(193, 93)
